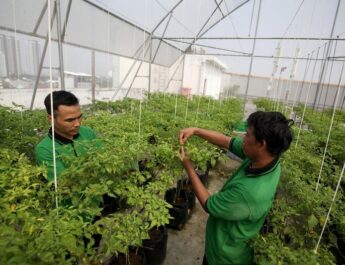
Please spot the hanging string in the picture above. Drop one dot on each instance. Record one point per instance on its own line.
(52, 107)
(330, 208)
(300, 86)
(293, 19)
(201, 86)
(141, 87)
(251, 19)
(279, 88)
(208, 105)
(292, 76)
(175, 105)
(322, 77)
(307, 97)
(186, 112)
(330, 127)
(197, 111)
(270, 88)
(15, 37)
(329, 77)
(182, 75)
(108, 48)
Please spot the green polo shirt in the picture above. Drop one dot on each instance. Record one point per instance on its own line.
(237, 212)
(63, 147)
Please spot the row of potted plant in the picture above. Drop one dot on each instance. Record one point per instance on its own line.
(109, 200)
(299, 212)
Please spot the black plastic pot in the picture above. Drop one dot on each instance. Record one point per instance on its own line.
(110, 204)
(203, 176)
(135, 257)
(180, 210)
(155, 248)
(152, 139)
(186, 186)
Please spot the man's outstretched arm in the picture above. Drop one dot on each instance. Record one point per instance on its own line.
(212, 137)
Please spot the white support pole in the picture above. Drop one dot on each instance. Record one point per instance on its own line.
(330, 126)
(330, 208)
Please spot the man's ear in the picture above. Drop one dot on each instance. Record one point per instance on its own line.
(49, 118)
(262, 144)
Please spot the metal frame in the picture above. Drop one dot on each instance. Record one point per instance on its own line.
(326, 56)
(252, 58)
(42, 60)
(199, 36)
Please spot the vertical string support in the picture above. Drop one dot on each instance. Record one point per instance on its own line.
(307, 97)
(52, 108)
(330, 127)
(300, 87)
(330, 209)
(175, 105)
(186, 112)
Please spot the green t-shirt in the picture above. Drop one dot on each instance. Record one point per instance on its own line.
(63, 146)
(237, 212)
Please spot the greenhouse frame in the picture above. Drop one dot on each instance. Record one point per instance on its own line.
(142, 71)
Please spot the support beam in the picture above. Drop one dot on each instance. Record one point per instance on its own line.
(251, 38)
(326, 56)
(173, 75)
(41, 61)
(38, 23)
(251, 58)
(66, 20)
(160, 41)
(60, 48)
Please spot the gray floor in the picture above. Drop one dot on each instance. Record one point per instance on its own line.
(186, 247)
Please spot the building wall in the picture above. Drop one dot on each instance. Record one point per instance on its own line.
(294, 90)
(203, 76)
(213, 77)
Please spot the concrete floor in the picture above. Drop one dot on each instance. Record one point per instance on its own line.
(186, 247)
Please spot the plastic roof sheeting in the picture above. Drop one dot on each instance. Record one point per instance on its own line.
(88, 26)
(93, 26)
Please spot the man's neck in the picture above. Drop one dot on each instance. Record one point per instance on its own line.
(262, 162)
(69, 137)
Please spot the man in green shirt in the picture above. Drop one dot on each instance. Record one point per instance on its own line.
(71, 139)
(237, 212)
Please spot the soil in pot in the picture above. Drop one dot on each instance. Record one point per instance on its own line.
(135, 257)
(180, 211)
(203, 176)
(155, 248)
(186, 186)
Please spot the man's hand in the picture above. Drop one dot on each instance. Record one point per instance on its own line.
(182, 154)
(185, 134)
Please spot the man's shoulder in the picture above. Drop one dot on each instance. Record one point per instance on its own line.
(46, 141)
(43, 149)
(86, 131)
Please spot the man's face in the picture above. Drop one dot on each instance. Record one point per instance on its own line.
(67, 120)
(250, 144)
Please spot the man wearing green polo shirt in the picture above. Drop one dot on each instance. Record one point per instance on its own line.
(237, 212)
(71, 139)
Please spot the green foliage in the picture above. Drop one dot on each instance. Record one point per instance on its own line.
(299, 212)
(134, 161)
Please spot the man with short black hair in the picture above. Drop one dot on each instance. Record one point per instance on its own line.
(70, 137)
(237, 212)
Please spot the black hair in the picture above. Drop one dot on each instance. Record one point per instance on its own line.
(273, 128)
(60, 98)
